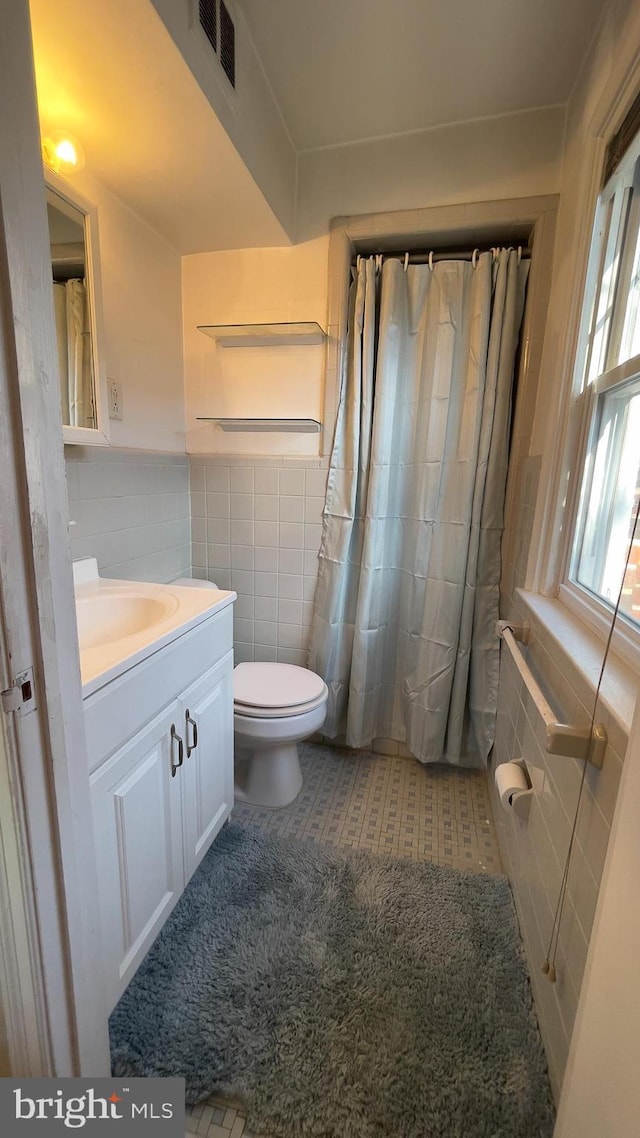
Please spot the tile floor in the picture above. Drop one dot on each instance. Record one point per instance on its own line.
(387, 805)
(381, 803)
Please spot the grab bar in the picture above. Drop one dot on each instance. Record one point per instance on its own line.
(560, 738)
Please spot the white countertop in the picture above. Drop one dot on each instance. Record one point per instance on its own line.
(174, 609)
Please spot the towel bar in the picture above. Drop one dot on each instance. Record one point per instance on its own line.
(561, 738)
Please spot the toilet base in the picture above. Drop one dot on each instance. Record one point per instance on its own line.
(268, 777)
(266, 755)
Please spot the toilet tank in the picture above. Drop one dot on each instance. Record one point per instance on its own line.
(195, 583)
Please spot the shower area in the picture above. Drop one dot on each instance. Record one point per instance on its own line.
(382, 565)
(407, 596)
(409, 567)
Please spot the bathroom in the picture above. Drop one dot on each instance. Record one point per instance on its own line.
(175, 496)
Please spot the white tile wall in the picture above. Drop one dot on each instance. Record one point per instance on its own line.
(534, 852)
(256, 528)
(131, 511)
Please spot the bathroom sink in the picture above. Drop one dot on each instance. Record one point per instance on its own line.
(121, 623)
(117, 612)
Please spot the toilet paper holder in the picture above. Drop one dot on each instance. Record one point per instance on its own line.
(519, 800)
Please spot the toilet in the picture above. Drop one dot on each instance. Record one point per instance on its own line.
(275, 706)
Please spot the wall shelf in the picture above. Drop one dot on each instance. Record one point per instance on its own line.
(264, 335)
(299, 426)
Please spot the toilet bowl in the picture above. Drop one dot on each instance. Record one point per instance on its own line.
(276, 706)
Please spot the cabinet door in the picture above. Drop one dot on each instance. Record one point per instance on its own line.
(136, 813)
(207, 774)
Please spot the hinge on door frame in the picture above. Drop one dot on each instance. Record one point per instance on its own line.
(21, 696)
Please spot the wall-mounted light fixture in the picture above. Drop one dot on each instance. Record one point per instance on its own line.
(62, 152)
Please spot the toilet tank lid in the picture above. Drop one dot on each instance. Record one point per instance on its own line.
(193, 582)
(262, 684)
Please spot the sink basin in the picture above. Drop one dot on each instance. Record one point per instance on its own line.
(115, 613)
(121, 623)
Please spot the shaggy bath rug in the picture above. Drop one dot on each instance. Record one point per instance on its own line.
(341, 995)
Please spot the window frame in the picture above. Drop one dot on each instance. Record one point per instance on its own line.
(615, 236)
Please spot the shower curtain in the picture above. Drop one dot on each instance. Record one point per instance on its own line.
(74, 353)
(408, 585)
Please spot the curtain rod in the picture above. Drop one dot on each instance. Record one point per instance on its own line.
(431, 256)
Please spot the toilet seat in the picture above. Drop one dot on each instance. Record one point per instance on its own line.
(276, 691)
(276, 712)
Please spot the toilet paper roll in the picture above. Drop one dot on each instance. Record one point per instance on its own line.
(511, 780)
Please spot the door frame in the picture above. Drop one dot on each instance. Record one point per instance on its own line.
(58, 1024)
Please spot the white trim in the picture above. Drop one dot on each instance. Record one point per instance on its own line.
(412, 131)
(630, 369)
(555, 565)
(459, 222)
(625, 641)
(37, 593)
(546, 554)
(88, 436)
(557, 491)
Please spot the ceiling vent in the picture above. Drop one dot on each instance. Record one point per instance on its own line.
(208, 21)
(227, 44)
(217, 25)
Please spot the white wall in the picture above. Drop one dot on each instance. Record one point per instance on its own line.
(174, 164)
(601, 1097)
(131, 511)
(534, 850)
(142, 306)
(253, 286)
(510, 156)
(255, 528)
(492, 159)
(250, 115)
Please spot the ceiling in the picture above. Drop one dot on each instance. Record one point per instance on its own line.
(347, 70)
(147, 129)
(340, 70)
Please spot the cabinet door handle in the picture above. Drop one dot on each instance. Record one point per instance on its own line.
(176, 738)
(188, 720)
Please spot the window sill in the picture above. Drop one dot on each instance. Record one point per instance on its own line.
(597, 619)
(583, 651)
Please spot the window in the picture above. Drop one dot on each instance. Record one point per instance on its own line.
(607, 389)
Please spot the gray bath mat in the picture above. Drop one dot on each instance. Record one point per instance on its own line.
(342, 996)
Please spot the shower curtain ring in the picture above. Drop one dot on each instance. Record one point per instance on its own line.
(431, 260)
(406, 261)
(474, 258)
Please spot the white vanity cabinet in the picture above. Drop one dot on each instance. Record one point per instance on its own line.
(161, 793)
(207, 773)
(137, 824)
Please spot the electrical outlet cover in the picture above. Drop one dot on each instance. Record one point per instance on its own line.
(115, 399)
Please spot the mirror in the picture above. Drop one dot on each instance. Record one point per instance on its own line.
(76, 297)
